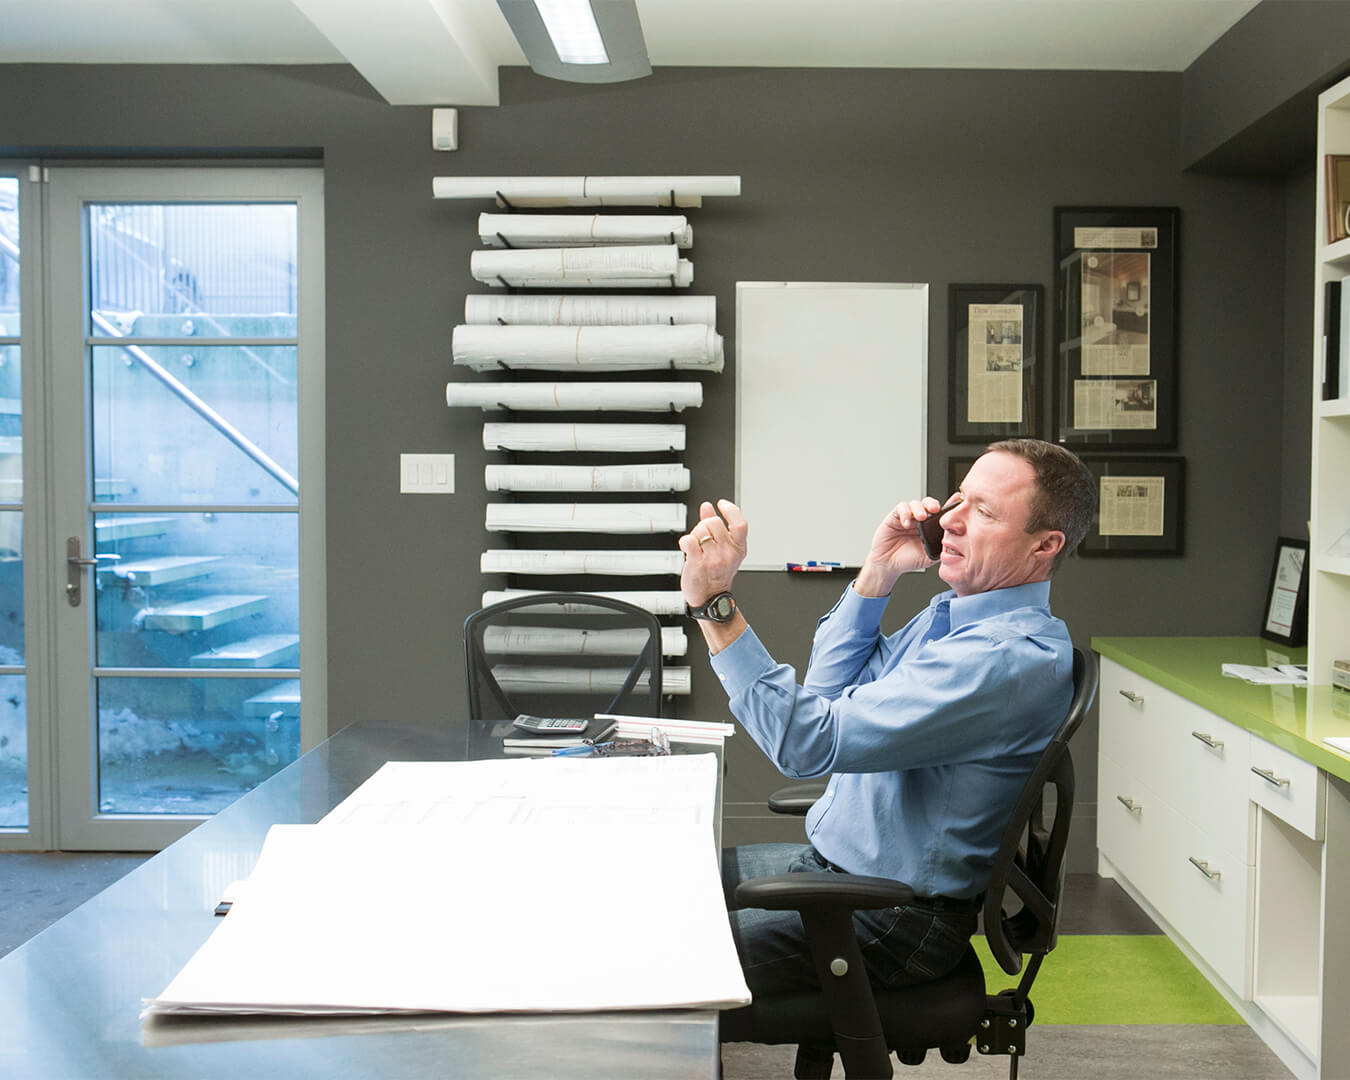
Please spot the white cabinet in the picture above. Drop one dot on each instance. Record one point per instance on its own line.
(1174, 816)
(1240, 849)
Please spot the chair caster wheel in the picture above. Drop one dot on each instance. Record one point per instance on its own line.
(955, 1055)
(911, 1057)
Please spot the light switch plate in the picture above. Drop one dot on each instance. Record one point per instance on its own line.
(426, 474)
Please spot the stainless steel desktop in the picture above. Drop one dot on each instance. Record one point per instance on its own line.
(70, 998)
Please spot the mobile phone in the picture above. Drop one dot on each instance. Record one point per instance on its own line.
(930, 530)
(930, 535)
(551, 725)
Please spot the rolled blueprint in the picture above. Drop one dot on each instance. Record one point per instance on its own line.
(571, 641)
(583, 230)
(644, 266)
(658, 603)
(576, 397)
(625, 563)
(562, 310)
(640, 518)
(692, 347)
(533, 679)
(586, 478)
(512, 191)
(584, 438)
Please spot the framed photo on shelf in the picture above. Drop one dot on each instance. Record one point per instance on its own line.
(1140, 504)
(1116, 327)
(1286, 611)
(993, 361)
(1337, 185)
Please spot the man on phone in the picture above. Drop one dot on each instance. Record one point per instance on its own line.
(928, 734)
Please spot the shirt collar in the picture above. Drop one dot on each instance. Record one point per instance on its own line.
(968, 609)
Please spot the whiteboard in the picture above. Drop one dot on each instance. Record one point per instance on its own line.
(831, 414)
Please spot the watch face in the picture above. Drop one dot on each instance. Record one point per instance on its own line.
(721, 607)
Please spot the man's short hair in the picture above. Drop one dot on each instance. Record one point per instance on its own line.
(1066, 494)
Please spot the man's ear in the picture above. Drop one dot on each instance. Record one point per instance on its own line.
(1050, 544)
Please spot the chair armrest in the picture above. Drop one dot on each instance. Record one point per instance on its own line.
(847, 892)
(796, 799)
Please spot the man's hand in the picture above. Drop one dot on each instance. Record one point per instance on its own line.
(896, 548)
(713, 551)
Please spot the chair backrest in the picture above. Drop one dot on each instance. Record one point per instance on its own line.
(1030, 859)
(559, 654)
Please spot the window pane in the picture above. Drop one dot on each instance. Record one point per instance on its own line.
(151, 445)
(13, 752)
(177, 270)
(9, 256)
(198, 590)
(11, 425)
(191, 746)
(11, 589)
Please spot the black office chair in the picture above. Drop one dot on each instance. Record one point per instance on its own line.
(559, 654)
(864, 1024)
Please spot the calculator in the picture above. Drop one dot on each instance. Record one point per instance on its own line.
(551, 725)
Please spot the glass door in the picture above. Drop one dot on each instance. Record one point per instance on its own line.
(186, 397)
(18, 280)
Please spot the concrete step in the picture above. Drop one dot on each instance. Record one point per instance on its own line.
(162, 570)
(202, 613)
(283, 698)
(261, 651)
(130, 527)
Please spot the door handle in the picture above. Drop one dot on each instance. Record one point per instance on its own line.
(1131, 696)
(75, 570)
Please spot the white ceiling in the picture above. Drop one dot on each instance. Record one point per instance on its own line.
(446, 52)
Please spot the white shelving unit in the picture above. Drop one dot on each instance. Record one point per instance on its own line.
(1329, 577)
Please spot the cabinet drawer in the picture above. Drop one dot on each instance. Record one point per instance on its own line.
(1289, 787)
(1210, 902)
(1130, 719)
(1205, 772)
(1131, 825)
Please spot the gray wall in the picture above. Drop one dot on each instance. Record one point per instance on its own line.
(934, 176)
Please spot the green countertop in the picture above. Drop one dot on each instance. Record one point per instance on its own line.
(1295, 718)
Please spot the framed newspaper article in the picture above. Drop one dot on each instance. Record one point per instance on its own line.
(993, 361)
(1140, 502)
(1286, 611)
(1116, 327)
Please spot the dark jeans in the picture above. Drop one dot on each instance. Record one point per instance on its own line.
(900, 945)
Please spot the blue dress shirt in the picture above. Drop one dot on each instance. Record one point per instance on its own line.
(930, 732)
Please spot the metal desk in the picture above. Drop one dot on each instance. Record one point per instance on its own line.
(71, 997)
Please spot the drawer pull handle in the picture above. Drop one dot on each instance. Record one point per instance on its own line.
(1129, 804)
(1203, 866)
(1208, 740)
(1269, 776)
(1131, 696)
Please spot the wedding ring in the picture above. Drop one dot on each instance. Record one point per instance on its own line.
(702, 540)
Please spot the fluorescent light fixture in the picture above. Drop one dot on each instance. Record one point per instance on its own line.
(591, 41)
(572, 28)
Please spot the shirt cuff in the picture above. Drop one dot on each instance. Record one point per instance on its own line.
(742, 662)
(862, 611)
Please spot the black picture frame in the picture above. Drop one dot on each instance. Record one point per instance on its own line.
(1006, 364)
(1146, 521)
(1116, 357)
(1285, 615)
(957, 467)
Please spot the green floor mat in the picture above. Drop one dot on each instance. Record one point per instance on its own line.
(1116, 979)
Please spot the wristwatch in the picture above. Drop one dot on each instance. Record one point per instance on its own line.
(717, 608)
